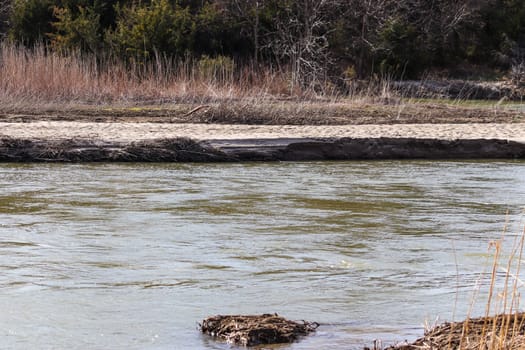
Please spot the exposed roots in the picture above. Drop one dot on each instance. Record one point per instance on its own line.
(256, 329)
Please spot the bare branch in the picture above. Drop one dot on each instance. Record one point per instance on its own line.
(301, 40)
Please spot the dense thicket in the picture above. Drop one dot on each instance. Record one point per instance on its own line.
(314, 39)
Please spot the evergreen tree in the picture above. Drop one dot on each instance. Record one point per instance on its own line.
(30, 21)
(312, 38)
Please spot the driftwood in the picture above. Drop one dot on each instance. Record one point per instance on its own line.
(502, 332)
(255, 329)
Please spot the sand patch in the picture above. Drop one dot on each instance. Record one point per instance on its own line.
(126, 132)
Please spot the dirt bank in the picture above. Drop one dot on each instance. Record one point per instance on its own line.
(74, 141)
(186, 150)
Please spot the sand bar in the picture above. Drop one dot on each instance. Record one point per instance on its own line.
(169, 142)
(126, 132)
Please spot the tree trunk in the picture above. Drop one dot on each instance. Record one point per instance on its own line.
(256, 35)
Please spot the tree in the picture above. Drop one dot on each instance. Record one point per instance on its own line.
(30, 20)
(160, 26)
(313, 39)
(105, 9)
(5, 10)
(301, 39)
(248, 14)
(404, 38)
(217, 32)
(76, 31)
(503, 32)
(439, 25)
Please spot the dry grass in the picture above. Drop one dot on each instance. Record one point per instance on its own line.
(503, 332)
(41, 84)
(39, 81)
(43, 76)
(503, 325)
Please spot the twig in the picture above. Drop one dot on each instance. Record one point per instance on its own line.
(194, 110)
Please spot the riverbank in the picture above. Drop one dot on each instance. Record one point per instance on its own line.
(501, 332)
(78, 141)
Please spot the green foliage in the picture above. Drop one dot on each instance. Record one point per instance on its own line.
(105, 9)
(502, 38)
(5, 9)
(80, 31)
(401, 54)
(222, 28)
(31, 21)
(219, 68)
(211, 30)
(160, 26)
(403, 39)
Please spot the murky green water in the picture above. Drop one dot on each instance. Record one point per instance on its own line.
(116, 256)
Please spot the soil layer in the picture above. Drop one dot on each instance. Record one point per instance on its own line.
(187, 150)
(384, 111)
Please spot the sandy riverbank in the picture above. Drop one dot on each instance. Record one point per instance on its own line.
(86, 141)
(127, 132)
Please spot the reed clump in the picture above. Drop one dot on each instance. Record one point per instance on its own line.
(503, 325)
(501, 332)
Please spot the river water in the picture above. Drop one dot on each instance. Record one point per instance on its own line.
(133, 256)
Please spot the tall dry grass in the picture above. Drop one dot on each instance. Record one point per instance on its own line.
(503, 325)
(38, 75)
(503, 322)
(39, 80)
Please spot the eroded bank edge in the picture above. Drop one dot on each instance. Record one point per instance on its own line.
(307, 149)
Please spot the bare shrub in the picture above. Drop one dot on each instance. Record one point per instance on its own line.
(517, 74)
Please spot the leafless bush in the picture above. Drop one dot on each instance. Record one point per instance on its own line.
(301, 40)
(517, 73)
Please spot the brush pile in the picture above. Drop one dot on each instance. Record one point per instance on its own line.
(255, 329)
(502, 332)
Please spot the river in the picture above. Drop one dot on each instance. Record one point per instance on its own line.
(133, 256)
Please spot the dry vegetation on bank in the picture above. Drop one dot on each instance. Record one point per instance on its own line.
(37, 84)
(503, 325)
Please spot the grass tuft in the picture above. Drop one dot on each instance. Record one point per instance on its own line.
(503, 325)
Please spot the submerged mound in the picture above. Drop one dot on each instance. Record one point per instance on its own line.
(256, 329)
(501, 332)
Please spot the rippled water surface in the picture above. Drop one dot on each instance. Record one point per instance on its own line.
(115, 256)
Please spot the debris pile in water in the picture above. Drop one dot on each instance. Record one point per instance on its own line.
(256, 329)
